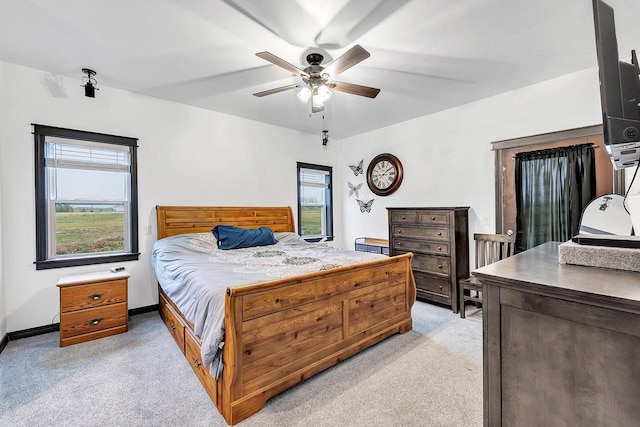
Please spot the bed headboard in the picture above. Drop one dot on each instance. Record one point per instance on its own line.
(174, 220)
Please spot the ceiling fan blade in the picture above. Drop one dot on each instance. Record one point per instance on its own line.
(347, 60)
(315, 109)
(275, 90)
(356, 18)
(369, 92)
(281, 63)
(295, 27)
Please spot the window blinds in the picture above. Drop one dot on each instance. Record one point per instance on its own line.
(67, 154)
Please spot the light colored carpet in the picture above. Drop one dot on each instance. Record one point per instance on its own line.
(430, 376)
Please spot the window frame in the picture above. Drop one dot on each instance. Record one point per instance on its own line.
(328, 202)
(43, 261)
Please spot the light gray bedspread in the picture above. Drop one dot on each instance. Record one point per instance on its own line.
(195, 274)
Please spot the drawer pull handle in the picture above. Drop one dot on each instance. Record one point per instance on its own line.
(95, 321)
(399, 243)
(196, 362)
(399, 231)
(440, 266)
(439, 233)
(440, 287)
(173, 327)
(404, 217)
(439, 248)
(433, 218)
(95, 296)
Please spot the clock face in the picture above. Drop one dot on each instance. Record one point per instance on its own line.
(384, 174)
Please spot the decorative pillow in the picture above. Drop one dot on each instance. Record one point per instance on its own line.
(230, 237)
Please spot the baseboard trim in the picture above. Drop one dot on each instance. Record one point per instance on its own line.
(39, 330)
(32, 332)
(4, 342)
(142, 310)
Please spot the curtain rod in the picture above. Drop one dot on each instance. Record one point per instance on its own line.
(594, 146)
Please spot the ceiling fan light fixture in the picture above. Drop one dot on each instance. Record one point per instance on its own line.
(304, 95)
(324, 93)
(317, 101)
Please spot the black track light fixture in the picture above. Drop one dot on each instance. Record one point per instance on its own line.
(90, 83)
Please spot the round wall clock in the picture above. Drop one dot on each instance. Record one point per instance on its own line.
(384, 174)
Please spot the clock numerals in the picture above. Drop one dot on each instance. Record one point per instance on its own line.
(384, 175)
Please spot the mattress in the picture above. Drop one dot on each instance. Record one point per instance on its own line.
(195, 275)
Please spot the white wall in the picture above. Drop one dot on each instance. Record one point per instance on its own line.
(3, 297)
(193, 156)
(186, 156)
(447, 156)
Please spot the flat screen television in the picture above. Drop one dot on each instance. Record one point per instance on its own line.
(619, 92)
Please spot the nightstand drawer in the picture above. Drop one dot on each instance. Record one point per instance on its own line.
(91, 295)
(92, 320)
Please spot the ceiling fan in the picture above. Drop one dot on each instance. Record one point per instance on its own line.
(318, 80)
(303, 24)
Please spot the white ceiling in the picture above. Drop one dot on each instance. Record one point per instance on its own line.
(426, 55)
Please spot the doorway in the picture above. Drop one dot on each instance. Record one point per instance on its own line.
(607, 180)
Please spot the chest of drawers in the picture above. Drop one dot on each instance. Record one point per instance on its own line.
(439, 240)
(92, 305)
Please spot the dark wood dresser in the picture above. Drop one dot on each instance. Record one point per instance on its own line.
(561, 343)
(439, 240)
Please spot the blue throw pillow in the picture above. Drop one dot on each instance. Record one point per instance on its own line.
(230, 237)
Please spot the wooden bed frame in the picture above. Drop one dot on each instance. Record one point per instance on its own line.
(281, 332)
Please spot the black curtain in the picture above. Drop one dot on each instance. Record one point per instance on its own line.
(552, 188)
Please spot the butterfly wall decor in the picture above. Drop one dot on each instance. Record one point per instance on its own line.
(357, 169)
(365, 206)
(353, 189)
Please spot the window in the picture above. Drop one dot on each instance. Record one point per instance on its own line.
(315, 211)
(86, 198)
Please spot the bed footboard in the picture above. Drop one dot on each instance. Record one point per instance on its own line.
(279, 333)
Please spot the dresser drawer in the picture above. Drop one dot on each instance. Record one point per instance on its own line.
(98, 294)
(433, 217)
(433, 233)
(431, 264)
(433, 285)
(173, 323)
(425, 246)
(93, 320)
(398, 217)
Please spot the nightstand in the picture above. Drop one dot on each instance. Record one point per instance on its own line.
(92, 306)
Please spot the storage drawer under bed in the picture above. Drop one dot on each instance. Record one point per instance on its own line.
(173, 322)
